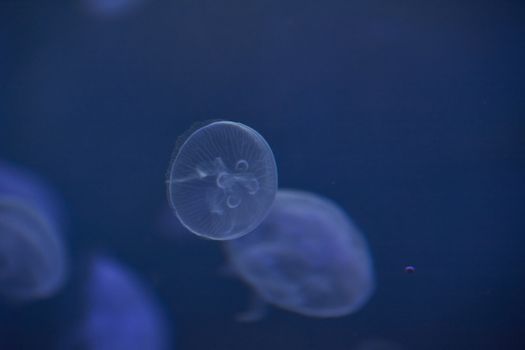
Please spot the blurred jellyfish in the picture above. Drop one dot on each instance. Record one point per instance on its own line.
(22, 184)
(32, 257)
(306, 257)
(222, 181)
(120, 312)
(32, 263)
(410, 269)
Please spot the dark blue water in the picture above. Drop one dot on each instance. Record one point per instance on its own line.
(409, 114)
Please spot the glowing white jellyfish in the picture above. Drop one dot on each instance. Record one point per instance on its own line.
(32, 256)
(307, 257)
(222, 181)
(120, 313)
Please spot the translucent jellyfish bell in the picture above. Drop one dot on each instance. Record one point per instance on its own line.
(32, 261)
(306, 257)
(32, 257)
(120, 312)
(222, 181)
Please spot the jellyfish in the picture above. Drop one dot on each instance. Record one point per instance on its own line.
(306, 257)
(32, 256)
(222, 180)
(25, 185)
(120, 313)
(32, 262)
(410, 269)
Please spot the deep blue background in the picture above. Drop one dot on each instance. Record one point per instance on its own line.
(410, 114)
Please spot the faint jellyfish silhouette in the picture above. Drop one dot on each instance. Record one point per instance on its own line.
(306, 257)
(120, 312)
(222, 181)
(410, 269)
(24, 185)
(32, 257)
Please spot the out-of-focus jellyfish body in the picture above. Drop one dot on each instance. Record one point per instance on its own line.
(32, 257)
(410, 269)
(222, 180)
(24, 185)
(120, 313)
(307, 257)
(32, 263)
